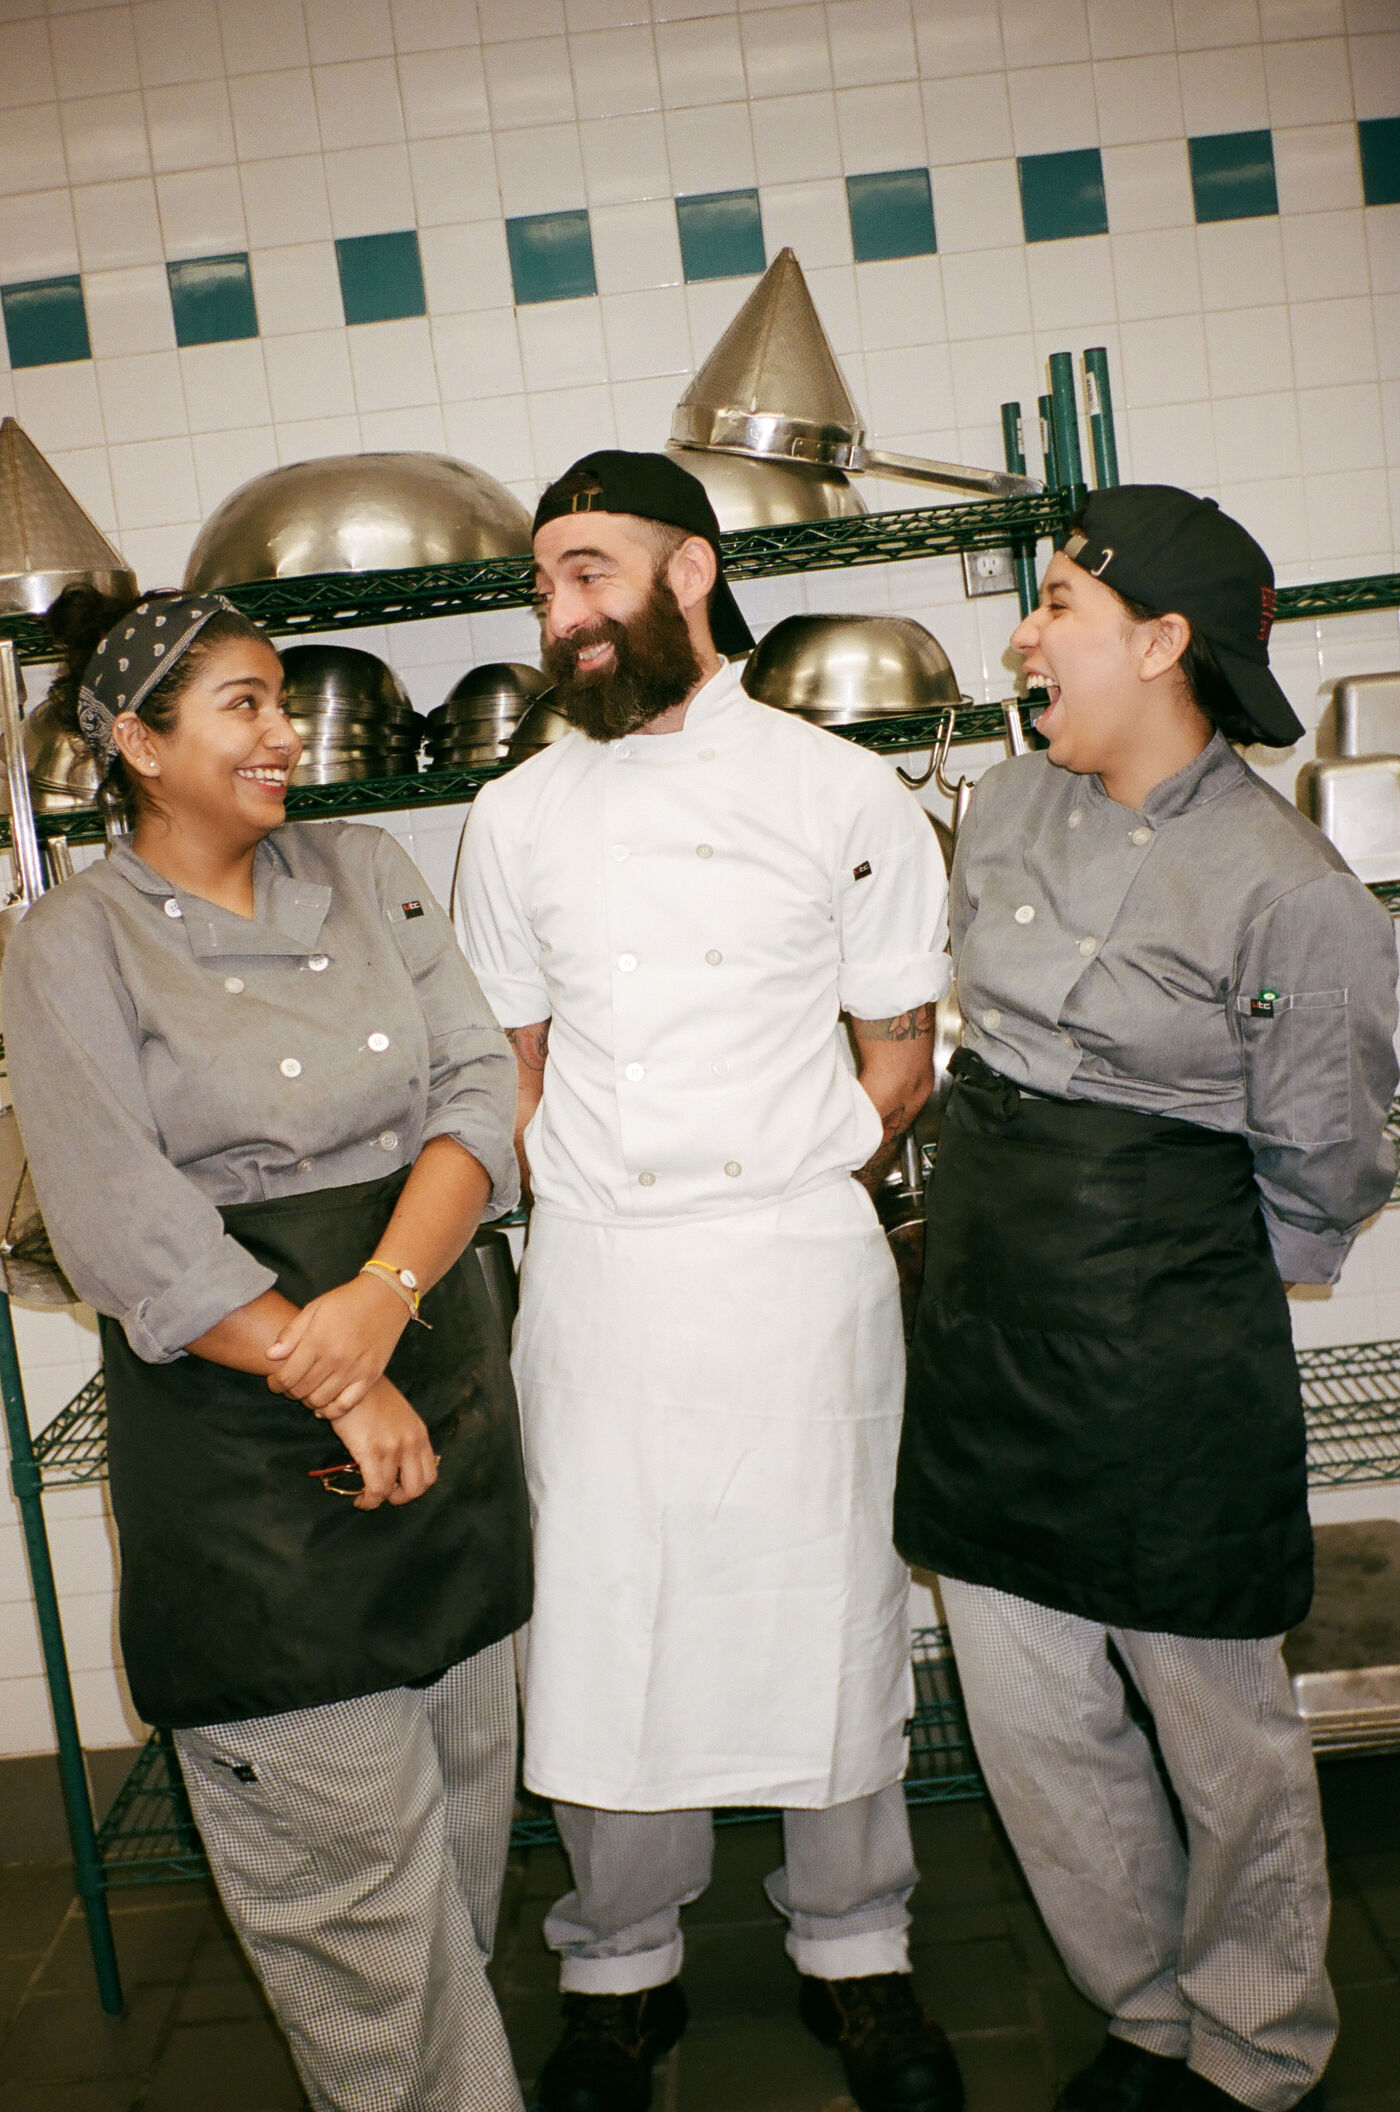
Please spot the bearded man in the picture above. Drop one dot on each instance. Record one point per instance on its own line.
(670, 910)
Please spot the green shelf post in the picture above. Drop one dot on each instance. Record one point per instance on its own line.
(1045, 406)
(1064, 422)
(1098, 398)
(26, 1481)
(1023, 554)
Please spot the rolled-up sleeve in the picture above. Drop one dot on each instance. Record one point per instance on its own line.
(1314, 1013)
(891, 903)
(134, 1235)
(491, 917)
(471, 1071)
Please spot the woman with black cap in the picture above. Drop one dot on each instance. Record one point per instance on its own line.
(266, 1108)
(1169, 1106)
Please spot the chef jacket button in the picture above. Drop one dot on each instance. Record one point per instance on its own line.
(733, 1169)
(720, 1067)
(289, 1067)
(316, 962)
(1068, 1040)
(634, 1071)
(233, 984)
(714, 956)
(620, 851)
(172, 907)
(622, 754)
(646, 1180)
(1141, 836)
(305, 1165)
(1025, 914)
(627, 962)
(388, 1139)
(1088, 946)
(378, 1042)
(704, 850)
(706, 755)
(992, 1020)
(1075, 818)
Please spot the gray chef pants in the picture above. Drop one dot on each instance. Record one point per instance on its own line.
(1214, 1953)
(844, 1888)
(360, 1863)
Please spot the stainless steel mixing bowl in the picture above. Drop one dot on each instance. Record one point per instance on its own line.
(747, 493)
(840, 669)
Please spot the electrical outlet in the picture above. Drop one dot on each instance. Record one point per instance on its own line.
(989, 572)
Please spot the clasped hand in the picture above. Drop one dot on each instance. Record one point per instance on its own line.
(337, 1346)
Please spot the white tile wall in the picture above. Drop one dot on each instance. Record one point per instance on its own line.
(1258, 359)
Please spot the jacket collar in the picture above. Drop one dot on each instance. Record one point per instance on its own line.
(288, 913)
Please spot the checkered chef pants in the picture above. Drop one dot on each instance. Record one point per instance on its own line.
(1213, 1952)
(359, 1850)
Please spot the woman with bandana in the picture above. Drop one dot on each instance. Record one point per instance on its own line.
(267, 1107)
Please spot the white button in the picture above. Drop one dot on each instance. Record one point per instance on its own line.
(388, 1139)
(1075, 818)
(379, 1043)
(620, 851)
(706, 755)
(1141, 836)
(634, 1071)
(720, 1067)
(627, 962)
(714, 956)
(992, 1020)
(289, 1067)
(622, 754)
(646, 1180)
(733, 1169)
(172, 907)
(704, 850)
(233, 984)
(1088, 946)
(1025, 914)
(305, 1165)
(1068, 1040)
(318, 962)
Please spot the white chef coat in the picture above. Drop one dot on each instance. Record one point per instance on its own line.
(709, 1354)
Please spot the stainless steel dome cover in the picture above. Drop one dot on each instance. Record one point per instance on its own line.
(489, 695)
(357, 513)
(326, 682)
(838, 669)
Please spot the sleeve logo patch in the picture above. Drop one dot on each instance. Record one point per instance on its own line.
(411, 909)
(862, 871)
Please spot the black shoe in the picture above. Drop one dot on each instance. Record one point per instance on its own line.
(1124, 2078)
(610, 2045)
(895, 2059)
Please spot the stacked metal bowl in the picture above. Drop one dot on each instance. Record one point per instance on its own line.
(474, 723)
(353, 715)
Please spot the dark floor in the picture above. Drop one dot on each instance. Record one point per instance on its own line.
(197, 2038)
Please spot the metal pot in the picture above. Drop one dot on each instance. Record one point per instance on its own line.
(837, 670)
(539, 727)
(357, 513)
(748, 493)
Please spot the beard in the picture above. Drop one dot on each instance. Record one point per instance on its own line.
(655, 667)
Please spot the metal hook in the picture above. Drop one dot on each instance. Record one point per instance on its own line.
(942, 742)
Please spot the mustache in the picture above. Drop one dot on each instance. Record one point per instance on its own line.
(561, 655)
(654, 666)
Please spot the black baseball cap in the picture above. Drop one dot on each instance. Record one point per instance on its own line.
(656, 489)
(1180, 554)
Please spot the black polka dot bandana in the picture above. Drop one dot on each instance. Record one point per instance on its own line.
(136, 655)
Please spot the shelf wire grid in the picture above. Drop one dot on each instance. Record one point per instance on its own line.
(72, 1449)
(1351, 1398)
(149, 1835)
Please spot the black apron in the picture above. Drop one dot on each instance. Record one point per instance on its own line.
(1103, 1411)
(247, 1588)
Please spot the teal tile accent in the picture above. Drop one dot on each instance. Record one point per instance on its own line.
(1062, 195)
(46, 322)
(551, 257)
(721, 235)
(1380, 160)
(381, 276)
(891, 215)
(1232, 175)
(213, 299)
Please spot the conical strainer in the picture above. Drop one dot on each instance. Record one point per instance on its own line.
(47, 542)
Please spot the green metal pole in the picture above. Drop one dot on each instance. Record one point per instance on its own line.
(1023, 554)
(1047, 442)
(26, 1481)
(1098, 397)
(1064, 419)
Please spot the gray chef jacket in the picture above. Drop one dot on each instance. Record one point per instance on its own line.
(169, 1058)
(1210, 957)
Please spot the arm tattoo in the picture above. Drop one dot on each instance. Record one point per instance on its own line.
(905, 1026)
(531, 1044)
